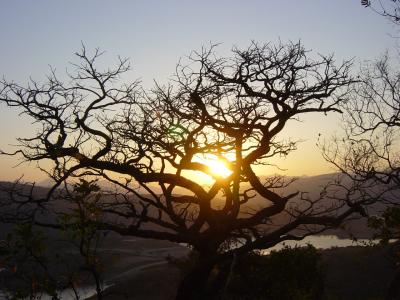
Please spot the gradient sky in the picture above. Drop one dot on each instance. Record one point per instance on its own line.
(155, 34)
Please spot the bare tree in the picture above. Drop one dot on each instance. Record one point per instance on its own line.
(389, 9)
(152, 143)
(369, 149)
(369, 153)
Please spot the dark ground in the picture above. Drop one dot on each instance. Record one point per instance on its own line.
(356, 273)
(138, 269)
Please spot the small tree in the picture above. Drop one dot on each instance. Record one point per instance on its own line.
(369, 152)
(152, 144)
(80, 226)
(23, 255)
(36, 260)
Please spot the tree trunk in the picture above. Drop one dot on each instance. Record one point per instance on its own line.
(194, 284)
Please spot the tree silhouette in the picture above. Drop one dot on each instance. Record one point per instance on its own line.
(152, 144)
(389, 9)
(369, 152)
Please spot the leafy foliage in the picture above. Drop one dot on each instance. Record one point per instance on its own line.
(33, 269)
(288, 274)
(25, 259)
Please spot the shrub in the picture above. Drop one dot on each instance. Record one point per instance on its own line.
(291, 273)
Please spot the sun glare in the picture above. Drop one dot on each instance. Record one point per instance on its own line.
(217, 167)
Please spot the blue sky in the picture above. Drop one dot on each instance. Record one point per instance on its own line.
(155, 34)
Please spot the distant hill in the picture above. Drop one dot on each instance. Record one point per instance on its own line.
(311, 185)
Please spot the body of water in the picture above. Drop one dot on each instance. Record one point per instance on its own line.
(322, 242)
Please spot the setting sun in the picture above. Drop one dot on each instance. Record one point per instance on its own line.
(216, 165)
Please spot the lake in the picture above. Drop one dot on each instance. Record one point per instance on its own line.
(322, 242)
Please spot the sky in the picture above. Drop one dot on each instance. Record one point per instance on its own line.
(156, 34)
